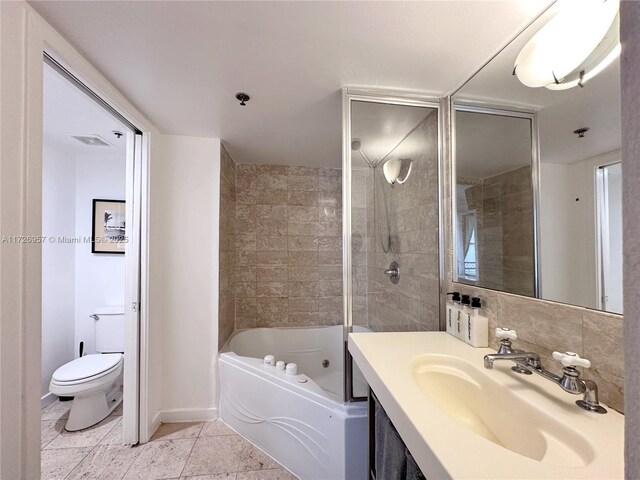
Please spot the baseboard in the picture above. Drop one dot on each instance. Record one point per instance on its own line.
(187, 415)
(48, 399)
(155, 423)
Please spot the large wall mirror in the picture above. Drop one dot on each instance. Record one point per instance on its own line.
(537, 176)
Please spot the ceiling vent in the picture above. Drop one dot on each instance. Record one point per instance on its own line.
(92, 140)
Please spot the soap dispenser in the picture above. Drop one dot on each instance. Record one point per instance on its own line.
(453, 312)
(477, 334)
(465, 317)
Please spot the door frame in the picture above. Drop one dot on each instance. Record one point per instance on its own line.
(601, 202)
(135, 377)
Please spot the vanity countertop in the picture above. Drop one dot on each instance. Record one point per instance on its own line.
(445, 448)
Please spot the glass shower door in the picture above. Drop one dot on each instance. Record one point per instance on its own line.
(391, 234)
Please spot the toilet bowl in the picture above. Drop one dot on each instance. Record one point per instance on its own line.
(95, 382)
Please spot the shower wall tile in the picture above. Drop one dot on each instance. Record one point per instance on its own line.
(304, 228)
(270, 243)
(329, 229)
(267, 196)
(271, 273)
(399, 224)
(302, 243)
(270, 226)
(271, 258)
(302, 198)
(288, 228)
(246, 312)
(302, 289)
(303, 213)
(303, 273)
(329, 199)
(329, 258)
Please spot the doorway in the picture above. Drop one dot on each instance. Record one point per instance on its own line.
(91, 257)
(609, 233)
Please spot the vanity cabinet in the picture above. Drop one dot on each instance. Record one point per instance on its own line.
(389, 457)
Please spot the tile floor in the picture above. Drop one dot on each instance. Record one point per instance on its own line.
(198, 451)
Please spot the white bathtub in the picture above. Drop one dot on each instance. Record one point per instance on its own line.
(305, 426)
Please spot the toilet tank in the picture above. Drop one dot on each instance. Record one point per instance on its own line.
(109, 329)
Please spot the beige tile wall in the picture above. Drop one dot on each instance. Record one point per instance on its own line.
(227, 302)
(361, 217)
(544, 326)
(288, 246)
(504, 209)
(405, 231)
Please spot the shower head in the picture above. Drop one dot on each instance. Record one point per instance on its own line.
(356, 146)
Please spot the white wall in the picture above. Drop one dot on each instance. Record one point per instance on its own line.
(99, 277)
(58, 262)
(564, 229)
(568, 230)
(185, 227)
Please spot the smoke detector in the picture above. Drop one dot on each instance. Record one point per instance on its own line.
(92, 140)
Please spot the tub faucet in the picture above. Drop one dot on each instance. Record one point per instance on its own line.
(529, 362)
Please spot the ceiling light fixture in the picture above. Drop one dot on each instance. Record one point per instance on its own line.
(577, 44)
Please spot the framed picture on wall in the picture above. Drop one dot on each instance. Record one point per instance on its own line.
(108, 234)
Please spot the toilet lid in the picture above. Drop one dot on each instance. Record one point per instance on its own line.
(87, 366)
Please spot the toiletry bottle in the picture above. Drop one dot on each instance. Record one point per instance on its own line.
(452, 313)
(465, 317)
(478, 326)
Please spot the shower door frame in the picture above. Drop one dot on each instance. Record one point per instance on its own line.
(389, 97)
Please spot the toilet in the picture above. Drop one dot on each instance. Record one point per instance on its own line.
(95, 380)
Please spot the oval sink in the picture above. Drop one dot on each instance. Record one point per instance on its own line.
(481, 404)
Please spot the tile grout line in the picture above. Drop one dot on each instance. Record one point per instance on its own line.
(134, 460)
(78, 464)
(191, 450)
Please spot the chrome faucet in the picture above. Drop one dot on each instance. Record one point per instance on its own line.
(529, 362)
(522, 359)
(507, 352)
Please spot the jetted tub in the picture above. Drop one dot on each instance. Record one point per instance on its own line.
(305, 426)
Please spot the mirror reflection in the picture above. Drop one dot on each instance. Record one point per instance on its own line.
(494, 200)
(537, 178)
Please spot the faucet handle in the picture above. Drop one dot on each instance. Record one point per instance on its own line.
(571, 359)
(506, 333)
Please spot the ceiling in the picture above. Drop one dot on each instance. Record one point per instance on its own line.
(181, 63)
(596, 105)
(68, 111)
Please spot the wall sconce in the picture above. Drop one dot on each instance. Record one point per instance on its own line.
(577, 44)
(397, 170)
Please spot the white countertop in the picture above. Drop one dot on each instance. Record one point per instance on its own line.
(443, 447)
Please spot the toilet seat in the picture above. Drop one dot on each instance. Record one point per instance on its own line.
(86, 369)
